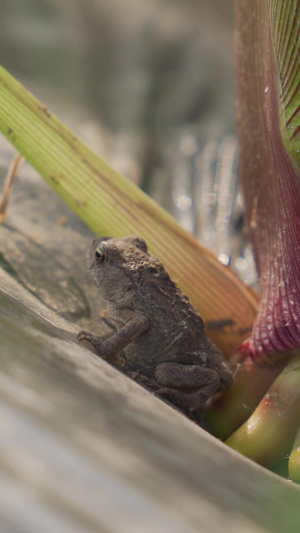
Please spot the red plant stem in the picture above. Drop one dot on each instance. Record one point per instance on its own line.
(271, 186)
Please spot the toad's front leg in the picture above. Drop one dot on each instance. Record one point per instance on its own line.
(107, 349)
(187, 386)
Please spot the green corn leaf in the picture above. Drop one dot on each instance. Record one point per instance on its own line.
(285, 28)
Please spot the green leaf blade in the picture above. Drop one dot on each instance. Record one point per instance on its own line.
(285, 27)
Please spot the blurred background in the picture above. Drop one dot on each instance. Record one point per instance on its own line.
(149, 84)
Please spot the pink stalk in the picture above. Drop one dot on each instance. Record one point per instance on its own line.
(271, 186)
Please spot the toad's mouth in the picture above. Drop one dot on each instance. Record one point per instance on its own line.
(92, 265)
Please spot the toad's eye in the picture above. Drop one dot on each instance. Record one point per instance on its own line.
(101, 255)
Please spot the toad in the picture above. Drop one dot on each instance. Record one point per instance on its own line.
(159, 332)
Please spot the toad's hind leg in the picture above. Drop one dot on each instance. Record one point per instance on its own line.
(187, 386)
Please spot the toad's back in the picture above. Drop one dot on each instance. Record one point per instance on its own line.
(175, 326)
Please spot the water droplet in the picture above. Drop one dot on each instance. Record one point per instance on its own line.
(224, 259)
